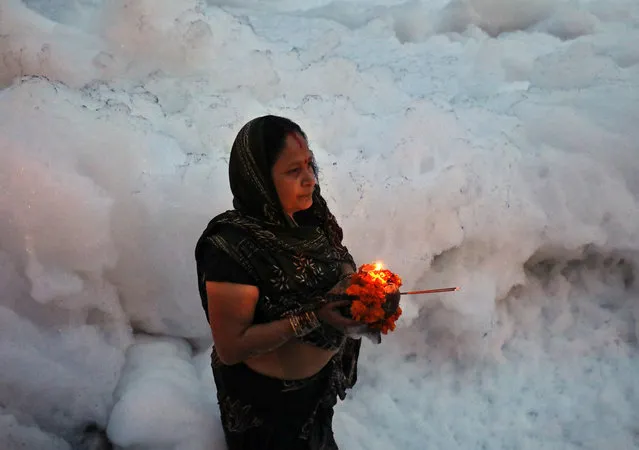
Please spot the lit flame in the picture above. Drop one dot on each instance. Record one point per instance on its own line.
(375, 274)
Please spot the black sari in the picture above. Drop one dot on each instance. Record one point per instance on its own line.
(294, 263)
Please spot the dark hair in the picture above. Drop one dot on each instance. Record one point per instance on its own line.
(274, 137)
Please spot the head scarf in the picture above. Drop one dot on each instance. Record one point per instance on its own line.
(254, 192)
(295, 263)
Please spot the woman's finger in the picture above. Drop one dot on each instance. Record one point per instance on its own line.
(340, 303)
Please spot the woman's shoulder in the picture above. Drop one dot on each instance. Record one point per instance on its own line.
(215, 263)
(218, 229)
(217, 253)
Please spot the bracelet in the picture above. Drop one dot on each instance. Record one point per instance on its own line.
(304, 323)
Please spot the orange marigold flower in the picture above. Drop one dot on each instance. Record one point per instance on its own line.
(369, 284)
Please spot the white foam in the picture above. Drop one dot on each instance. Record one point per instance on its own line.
(489, 145)
(159, 385)
(16, 436)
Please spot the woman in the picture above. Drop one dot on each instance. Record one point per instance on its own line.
(281, 355)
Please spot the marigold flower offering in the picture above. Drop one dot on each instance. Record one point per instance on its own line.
(371, 284)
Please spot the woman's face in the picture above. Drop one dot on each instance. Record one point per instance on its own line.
(293, 175)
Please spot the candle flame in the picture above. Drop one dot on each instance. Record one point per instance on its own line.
(376, 271)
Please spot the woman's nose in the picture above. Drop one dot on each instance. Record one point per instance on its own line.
(309, 177)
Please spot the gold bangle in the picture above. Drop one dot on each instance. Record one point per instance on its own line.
(304, 323)
(295, 324)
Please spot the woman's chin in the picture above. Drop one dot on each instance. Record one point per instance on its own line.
(305, 204)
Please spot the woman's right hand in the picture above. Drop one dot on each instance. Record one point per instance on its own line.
(329, 313)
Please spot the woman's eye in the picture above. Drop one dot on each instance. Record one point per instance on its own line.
(294, 171)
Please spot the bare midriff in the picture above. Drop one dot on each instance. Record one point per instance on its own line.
(294, 360)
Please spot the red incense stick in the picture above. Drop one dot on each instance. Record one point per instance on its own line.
(430, 291)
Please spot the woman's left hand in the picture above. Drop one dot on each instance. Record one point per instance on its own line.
(330, 314)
